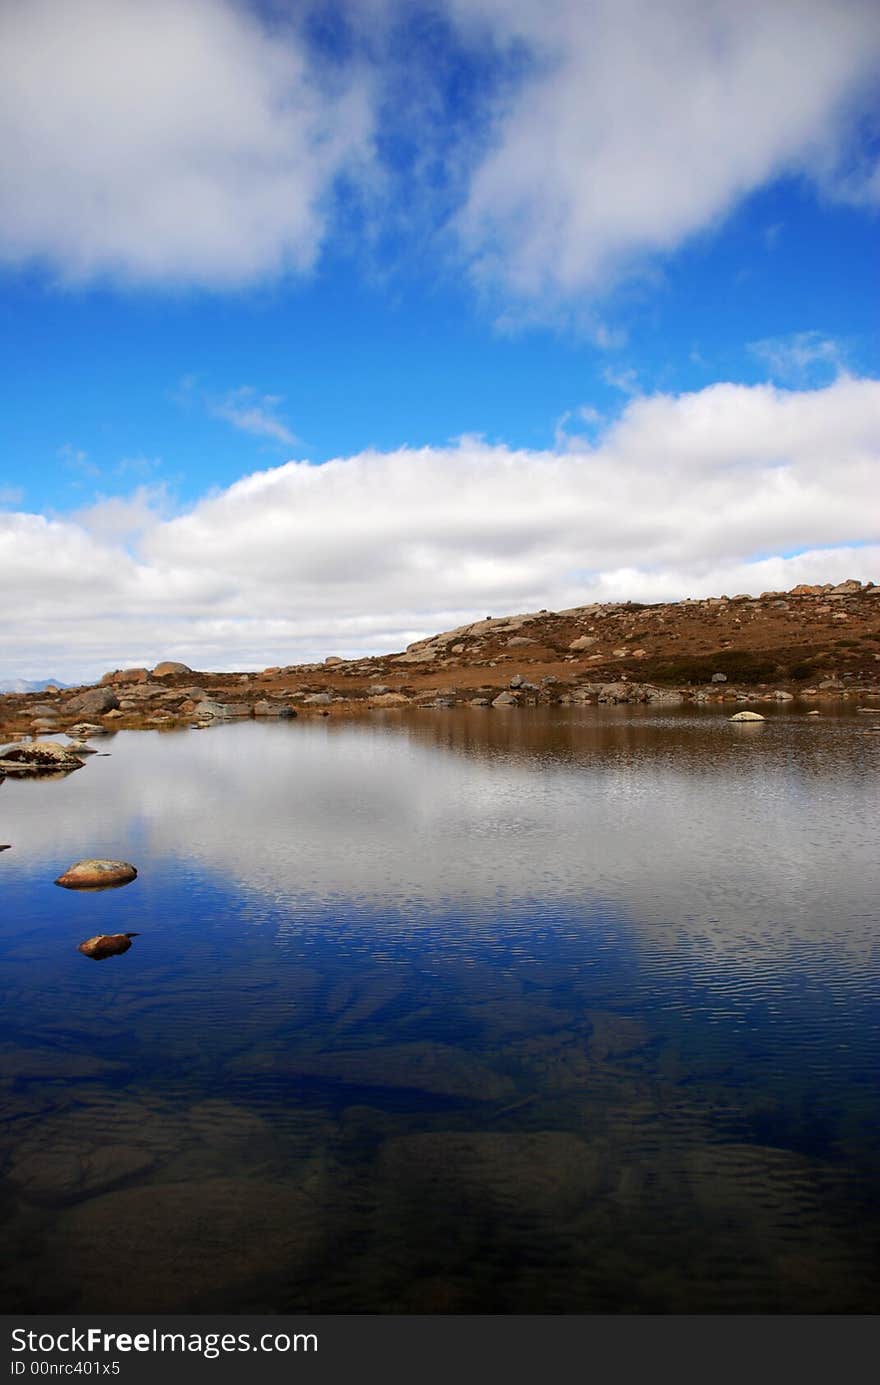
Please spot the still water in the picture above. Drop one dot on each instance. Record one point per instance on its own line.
(464, 1011)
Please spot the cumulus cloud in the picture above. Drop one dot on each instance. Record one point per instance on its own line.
(157, 141)
(641, 124)
(732, 488)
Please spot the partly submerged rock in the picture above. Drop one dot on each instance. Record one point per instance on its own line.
(92, 874)
(106, 945)
(746, 716)
(38, 757)
(265, 708)
(86, 730)
(81, 748)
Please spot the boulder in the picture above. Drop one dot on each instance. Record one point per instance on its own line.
(746, 716)
(93, 702)
(615, 692)
(85, 730)
(389, 699)
(38, 757)
(168, 667)
(265, 708)
(94, 874)
(333, 659)
(583, 642)
(126, 675)
(317, 700)
(505, 699)
(106, 945)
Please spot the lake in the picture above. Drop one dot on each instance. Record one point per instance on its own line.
(466, 1011)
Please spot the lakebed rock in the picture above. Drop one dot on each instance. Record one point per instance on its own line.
(178, 1247)
(95, 874)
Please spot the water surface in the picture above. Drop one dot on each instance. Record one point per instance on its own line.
(465, 1011)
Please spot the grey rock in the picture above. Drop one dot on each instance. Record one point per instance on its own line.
(93, 702)
(273, 709)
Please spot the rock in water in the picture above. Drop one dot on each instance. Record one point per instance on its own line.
(38, 757)
(96, 875)
(106, 945)
(747, 716)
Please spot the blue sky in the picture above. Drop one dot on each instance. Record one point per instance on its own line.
(460, 248)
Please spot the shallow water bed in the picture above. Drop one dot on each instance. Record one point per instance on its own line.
(541, 1011)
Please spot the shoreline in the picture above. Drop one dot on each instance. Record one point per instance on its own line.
(812, 644)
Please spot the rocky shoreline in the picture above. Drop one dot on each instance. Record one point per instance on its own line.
(813, 643)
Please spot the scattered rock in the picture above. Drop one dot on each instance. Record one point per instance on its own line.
(94, 874)
(273, 709)
(126, 675)
(168, 667)
(106, 945)
(93, 702)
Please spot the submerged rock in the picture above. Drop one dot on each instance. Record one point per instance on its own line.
(187, 1246)
(746, 716)
(106, 945)
(92, 874)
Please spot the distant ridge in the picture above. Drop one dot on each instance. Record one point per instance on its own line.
(26, 685)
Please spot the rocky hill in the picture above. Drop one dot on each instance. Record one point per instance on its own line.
(813, 642)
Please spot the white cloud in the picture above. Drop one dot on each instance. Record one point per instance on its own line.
(643, 123)
(254, 413)
(683, 495)
(200, 141)
(155, 141)
(797, 359)
(122, 519)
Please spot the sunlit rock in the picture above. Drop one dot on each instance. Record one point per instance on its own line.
(93, 874)
(106, 945)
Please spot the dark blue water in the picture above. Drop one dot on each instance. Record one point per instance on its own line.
(568, 1011)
